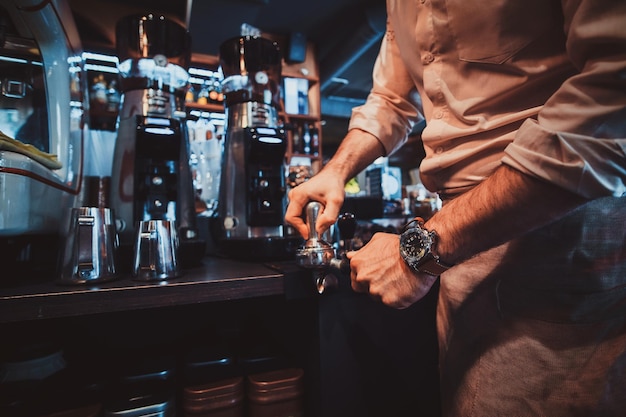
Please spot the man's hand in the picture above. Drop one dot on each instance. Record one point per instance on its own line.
(325, 188)
(378, 269)
(356, 151)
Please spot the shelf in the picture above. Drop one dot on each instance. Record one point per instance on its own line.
(305, 117)
(311, 79)
(214, 280)
(217, 108)
(305, 155)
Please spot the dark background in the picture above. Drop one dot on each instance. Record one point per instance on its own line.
(345, 33)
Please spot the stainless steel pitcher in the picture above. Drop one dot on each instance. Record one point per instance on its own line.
(90, 247)
(156, 251)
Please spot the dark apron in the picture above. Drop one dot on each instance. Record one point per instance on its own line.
(537, 326)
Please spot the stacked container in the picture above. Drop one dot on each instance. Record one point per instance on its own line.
(276, 393)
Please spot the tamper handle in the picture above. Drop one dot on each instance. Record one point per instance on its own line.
(312, 210)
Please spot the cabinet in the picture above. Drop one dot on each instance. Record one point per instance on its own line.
(359, 356)
(260, 316)
(295, 123)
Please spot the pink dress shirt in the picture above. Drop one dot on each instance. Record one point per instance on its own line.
(520, 82)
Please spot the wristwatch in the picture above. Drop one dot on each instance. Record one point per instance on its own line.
(416, 248)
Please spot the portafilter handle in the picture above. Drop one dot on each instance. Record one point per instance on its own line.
(327, 280)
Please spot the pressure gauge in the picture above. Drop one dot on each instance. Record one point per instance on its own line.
(261, 78)
(160, 60)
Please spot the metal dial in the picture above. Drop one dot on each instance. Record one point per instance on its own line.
(160, 60)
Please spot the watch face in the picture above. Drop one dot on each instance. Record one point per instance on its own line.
(415, 244)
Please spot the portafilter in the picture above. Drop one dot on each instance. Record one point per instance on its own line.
(319, 256)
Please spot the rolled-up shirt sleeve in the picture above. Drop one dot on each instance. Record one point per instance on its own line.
(578, 140)
(389, 113)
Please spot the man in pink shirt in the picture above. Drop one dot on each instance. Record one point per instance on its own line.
(525, 139)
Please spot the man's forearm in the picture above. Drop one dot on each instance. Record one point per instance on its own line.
(506, 205)
(355, 153)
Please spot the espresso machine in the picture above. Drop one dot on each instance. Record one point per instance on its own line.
(252, 196)
(42, 126)
(151, 177)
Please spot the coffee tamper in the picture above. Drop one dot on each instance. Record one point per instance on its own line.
(319, 255)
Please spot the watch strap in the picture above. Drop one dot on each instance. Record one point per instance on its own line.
(432, 266)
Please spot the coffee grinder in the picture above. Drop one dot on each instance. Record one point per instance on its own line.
(151, 178)
(252, 197)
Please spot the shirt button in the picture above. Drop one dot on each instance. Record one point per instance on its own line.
(439, 115)
(428, 58)
(439, 150)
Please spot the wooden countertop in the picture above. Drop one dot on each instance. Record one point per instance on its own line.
(216, 279)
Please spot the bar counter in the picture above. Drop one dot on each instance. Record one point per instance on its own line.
(215, 279)
(359, 356)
